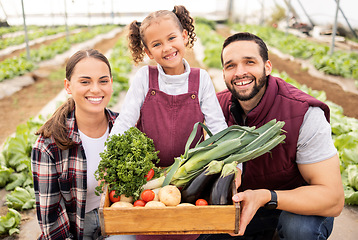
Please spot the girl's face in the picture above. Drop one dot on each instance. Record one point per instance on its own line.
(166, 45)
(90, 86)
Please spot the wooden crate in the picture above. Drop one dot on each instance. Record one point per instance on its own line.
(168, 220)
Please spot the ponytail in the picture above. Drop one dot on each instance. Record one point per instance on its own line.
(56, 125)
(135, 42)
(187, 23)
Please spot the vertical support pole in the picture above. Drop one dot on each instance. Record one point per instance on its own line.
(25, 29)
(308, 16)
(349, 25)
(112, 12)
(66, 25)
(230, 6)
(334, 29)
(288, 16)
(89, 13)
(103, 12)
(262, 18)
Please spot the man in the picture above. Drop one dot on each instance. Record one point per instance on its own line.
(295, 190)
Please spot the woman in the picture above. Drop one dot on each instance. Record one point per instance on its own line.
(66, 154)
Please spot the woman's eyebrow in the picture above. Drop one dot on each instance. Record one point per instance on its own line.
(87, 77)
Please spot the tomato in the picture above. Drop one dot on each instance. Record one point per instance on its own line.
(201, 202)
(139, 203)
(150, 174)
(112, 198)
(147, 195)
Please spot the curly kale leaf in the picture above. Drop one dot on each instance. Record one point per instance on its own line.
(125, 161)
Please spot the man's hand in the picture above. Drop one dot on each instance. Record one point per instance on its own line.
(251, 201)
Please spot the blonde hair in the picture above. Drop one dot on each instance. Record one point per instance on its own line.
(181, 17)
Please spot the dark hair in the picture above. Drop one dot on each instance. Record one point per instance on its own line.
(56, 125)
(245, 36)
(136, 36)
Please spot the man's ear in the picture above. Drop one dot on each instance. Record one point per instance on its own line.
(148, 53)
(67, 86)
(268, 67)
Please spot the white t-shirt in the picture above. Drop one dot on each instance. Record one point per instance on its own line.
(171, 85)
(315, 142)
(92, 148)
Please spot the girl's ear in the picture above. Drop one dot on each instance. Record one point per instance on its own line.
(185, 37)
(67, 86)
(148, 53)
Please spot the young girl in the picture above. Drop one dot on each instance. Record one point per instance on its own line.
(66, 154)
(167, 100)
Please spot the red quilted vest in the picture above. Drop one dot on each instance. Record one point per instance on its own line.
(276, 170)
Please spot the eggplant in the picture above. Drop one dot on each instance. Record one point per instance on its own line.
(221, 192)
(195, 189)
(202, 183)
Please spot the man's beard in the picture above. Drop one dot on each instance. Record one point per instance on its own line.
(257, 87)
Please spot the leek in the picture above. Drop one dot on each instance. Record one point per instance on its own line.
(234, 144)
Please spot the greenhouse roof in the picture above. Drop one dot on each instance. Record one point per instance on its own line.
(321, 12)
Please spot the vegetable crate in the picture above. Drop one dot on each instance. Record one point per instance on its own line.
(168, 220)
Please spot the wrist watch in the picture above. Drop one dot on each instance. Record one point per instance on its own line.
(272, 204)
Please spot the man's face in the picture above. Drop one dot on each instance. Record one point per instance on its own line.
(244, 70)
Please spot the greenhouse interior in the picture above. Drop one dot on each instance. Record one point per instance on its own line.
(312, 45)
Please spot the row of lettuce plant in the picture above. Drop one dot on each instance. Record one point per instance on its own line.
(11, 41)
(13, 29)
(340, 63)
(344, 129)
(17, 66)
(15, 158)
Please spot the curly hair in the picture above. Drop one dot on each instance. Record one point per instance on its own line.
(136, 35)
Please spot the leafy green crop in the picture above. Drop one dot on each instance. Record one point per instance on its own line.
(125, 161)
(5, 174)
(21, 198)
(9, 224)
(121, 67)
(213, 44)
(16, 156)
(17, 66)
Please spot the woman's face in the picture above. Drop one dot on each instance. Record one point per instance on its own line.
(90, 86)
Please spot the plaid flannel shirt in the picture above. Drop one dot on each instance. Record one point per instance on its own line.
(60, 182)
